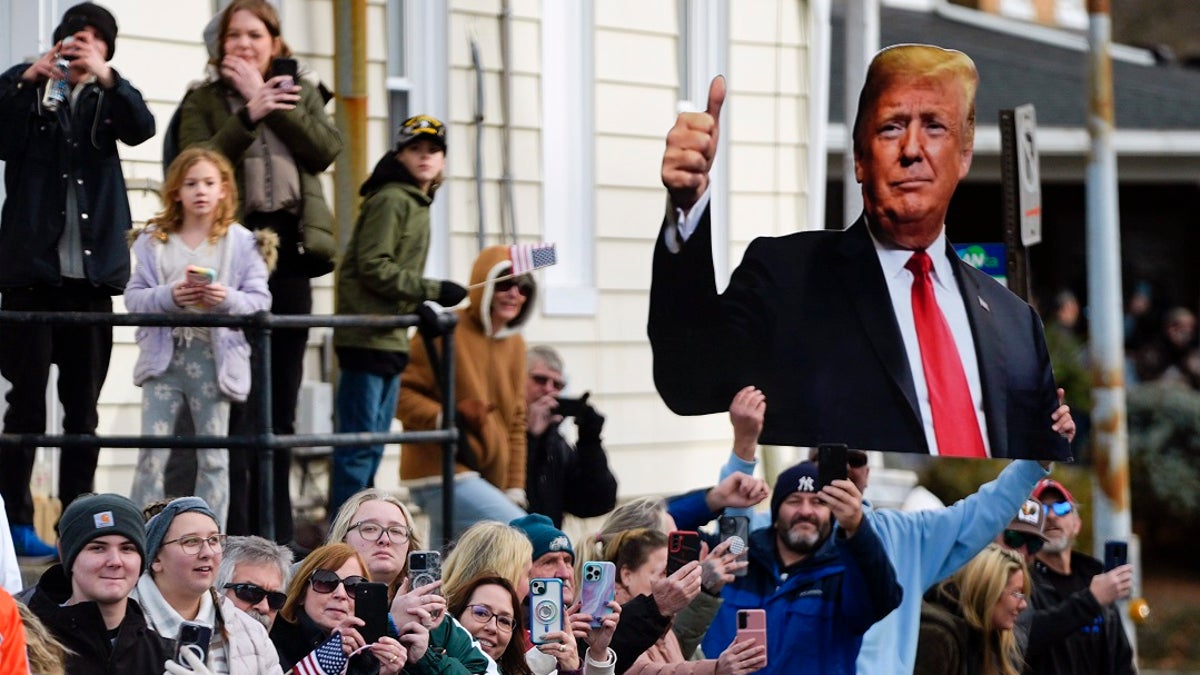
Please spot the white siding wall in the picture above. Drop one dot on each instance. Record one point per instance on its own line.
(635, 91)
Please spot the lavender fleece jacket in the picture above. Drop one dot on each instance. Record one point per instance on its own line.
(244, 273)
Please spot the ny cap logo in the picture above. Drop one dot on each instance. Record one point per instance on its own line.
(805, 484)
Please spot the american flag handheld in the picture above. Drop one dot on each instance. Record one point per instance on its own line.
(328, 659)
(529, 257)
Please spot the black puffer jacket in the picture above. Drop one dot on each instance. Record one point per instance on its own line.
(80, 627)
(44, 152)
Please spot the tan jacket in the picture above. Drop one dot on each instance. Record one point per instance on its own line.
(489, 378)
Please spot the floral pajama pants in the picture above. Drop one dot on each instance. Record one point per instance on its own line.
(190, 380)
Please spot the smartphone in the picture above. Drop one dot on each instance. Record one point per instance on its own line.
(1116, 553)
(571, 407)
(192, 637)
(736, 526)
(424, 568)
(752, 626)
(599, 589)
(546, 614)
(682, 548)
(371, 605)
(831, 463)
(200, 276)
(284, 66)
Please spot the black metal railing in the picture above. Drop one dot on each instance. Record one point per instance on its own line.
(258, 327)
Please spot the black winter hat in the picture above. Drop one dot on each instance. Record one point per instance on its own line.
(89, 14)
(799, 478)
(93, 516)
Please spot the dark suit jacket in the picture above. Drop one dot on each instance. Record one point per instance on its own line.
(807, 318)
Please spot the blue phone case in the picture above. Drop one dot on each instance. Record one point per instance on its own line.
(546, 608)
(599, 588)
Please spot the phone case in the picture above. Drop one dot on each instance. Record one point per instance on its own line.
(599, 588)
(201, 275)
(831, 463)
(195, 637)
(371, 605)
(546, 615)
(1116, 553)
(736, 526)
(424, 568)
(682, 548)
(752, 626)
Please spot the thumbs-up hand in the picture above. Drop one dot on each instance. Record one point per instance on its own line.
(691, 148)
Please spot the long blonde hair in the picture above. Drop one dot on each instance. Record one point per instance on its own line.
(981, 583)
(486, 546)
(640, 513)
(170, 218)
(46, 654)
(345, 515)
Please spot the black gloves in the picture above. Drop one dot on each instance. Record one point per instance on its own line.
(589, 422)
(450, 294)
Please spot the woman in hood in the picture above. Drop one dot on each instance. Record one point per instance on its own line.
(489, 388)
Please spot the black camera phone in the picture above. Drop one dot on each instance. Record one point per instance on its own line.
(731, 527)
(572, 407)
(284, 66)
(831, 463)
(1116, 553)
(371, 605)
(193, 637)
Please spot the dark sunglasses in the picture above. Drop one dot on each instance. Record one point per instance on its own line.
(1060, 509)
(254, 594)
(543, 380)
(507, 284)
(326, 582)
(1015, 540)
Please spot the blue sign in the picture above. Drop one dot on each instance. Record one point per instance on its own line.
(987, 258)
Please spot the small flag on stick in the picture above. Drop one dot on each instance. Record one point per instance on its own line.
(529, 257)
(328, 659)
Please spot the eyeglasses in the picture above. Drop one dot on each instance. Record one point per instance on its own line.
(1015, 540)
(1060, 509)
(254, 594)
(543, 380)
(191, 543)
(1017, 594)
(372, 531)
(507, 284)
(327, 581)
(482, 614)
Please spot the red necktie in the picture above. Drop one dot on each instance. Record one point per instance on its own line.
(954, 423)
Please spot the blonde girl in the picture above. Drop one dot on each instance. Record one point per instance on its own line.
(193, 257)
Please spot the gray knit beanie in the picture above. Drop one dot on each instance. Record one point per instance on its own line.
(93, 516)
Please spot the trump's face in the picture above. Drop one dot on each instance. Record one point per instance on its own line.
(912, 152)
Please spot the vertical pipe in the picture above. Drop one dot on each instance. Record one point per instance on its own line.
(1110, 439)
(862, 41)
(449, 448)
(266, 453)
(350, 83)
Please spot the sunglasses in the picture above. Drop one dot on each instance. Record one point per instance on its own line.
(507, 284)
(327, 581)
(1060, 509)
(1015, 540)
(254, 594)
(543, 380)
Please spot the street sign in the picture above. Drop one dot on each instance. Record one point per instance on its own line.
(1029, 185)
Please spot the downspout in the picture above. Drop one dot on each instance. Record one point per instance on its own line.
(350, 81)
(477, 65)
(507, 213)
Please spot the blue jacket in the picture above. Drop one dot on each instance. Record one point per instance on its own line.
(817, 612)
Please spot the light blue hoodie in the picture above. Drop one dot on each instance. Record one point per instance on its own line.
(926, 547)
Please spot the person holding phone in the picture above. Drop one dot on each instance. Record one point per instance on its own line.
(275, 131)
(184, 545)
(640, 557)
(488, 607)
(562, 477)
(62, 244)
(1059, 573)
(819, 540)
(320, 601)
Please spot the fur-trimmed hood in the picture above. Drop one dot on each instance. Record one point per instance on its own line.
(493, 262)
(266, 241)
